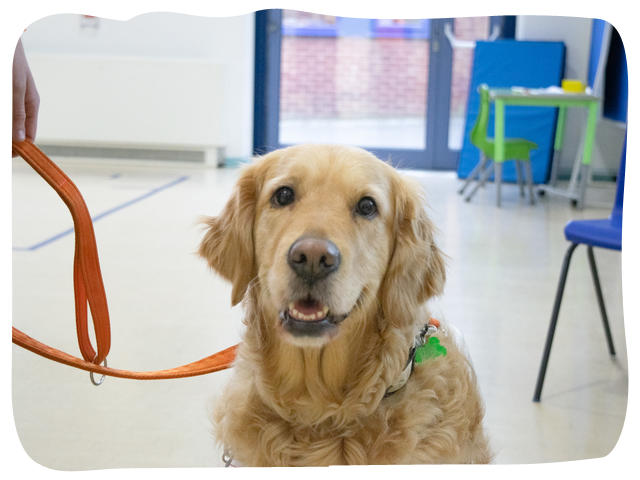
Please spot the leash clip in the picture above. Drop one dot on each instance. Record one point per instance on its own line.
(227, 458)
(427, 331)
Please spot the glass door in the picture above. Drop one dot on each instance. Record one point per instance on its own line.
(463, 33)
(355, 81)
(394, 87)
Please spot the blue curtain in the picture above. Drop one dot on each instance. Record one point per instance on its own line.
(615, 90)
(616, 81)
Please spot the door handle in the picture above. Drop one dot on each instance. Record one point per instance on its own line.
(457, 43)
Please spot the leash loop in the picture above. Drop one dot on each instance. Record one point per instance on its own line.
(89, 290)
(87, 278)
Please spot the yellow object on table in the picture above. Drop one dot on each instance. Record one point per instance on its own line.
(573, 86)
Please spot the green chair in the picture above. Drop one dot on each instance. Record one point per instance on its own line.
(517, 149)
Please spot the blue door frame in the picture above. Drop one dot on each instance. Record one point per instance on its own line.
(437, 155)
(266, 90)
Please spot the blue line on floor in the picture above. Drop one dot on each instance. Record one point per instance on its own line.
(103, 214)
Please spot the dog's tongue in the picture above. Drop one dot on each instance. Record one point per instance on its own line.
(308, 309)
(308, 306)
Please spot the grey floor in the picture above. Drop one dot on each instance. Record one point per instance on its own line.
(168, 309)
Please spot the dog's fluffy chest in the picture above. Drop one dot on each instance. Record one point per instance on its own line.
(445, 428)
(355, 442)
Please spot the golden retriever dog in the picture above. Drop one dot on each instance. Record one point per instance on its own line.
(333, 256)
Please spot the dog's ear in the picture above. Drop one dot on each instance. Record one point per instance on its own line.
(416, 270)
(228, 242)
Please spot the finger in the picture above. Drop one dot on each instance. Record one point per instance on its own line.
(32, 105)
(19, 92)
(19, 115)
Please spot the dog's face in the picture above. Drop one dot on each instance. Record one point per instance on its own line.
(322, 237)
(324, 231)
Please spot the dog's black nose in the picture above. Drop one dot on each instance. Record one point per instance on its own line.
(313, 258)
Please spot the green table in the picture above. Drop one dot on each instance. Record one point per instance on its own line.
(561, 100)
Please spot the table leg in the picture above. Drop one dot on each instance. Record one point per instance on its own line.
(557, 144)
(589, 140)
(553, 179)
(590, 133)
(499, 146)
(585, 173)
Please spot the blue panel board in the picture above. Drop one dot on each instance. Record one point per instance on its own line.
(509, 63)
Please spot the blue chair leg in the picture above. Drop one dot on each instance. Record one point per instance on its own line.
(603, 311)
(554, 321)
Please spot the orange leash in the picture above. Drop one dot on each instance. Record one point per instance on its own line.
(88, 288)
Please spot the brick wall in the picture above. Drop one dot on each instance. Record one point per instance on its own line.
(471, 28)
(355, 77)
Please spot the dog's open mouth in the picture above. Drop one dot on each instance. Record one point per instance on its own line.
(309, 317)
(308, 310)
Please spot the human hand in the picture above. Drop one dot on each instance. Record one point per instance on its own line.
(26, 100)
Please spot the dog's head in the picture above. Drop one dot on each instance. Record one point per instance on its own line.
(324, 232)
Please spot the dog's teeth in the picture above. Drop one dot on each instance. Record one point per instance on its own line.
(318, 315)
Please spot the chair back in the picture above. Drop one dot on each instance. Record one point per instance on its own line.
(616, 212)
(478, 134)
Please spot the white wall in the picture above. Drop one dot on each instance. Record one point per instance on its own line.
(185, 79)
(575, 32)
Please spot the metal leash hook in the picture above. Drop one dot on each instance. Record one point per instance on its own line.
(93, 380)
(227, 458)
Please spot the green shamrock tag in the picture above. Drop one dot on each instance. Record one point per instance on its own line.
(431, 349)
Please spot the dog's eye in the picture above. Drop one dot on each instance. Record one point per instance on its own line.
(283, 196)
(366, 207)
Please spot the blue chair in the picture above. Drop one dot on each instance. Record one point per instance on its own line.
(603, 233)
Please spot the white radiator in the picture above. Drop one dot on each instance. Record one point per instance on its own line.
(126, 103)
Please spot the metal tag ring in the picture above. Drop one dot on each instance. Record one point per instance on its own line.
(93, 380)
(227, 458)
